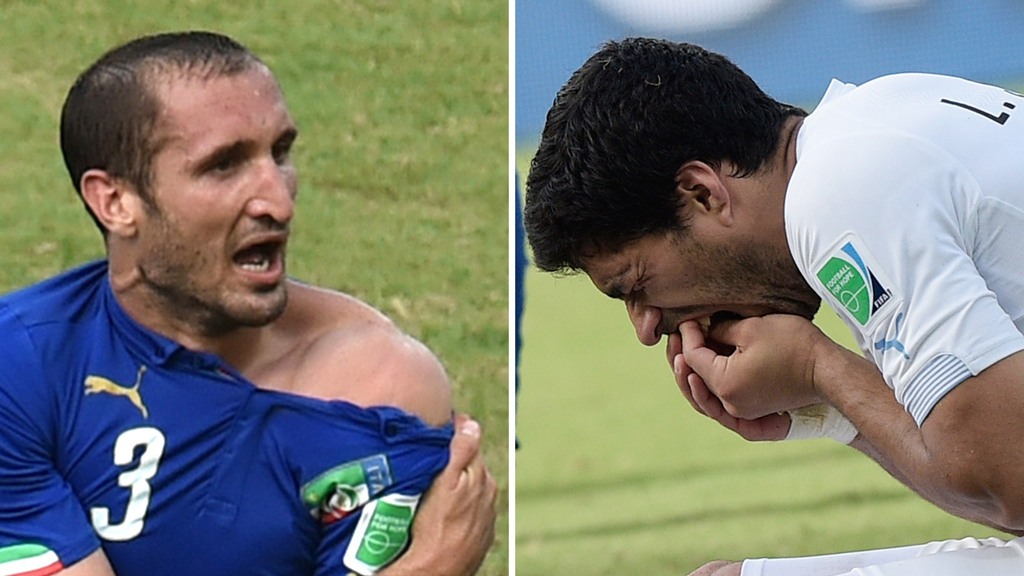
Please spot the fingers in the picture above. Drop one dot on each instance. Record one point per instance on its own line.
(475, 474)
(699, 357)
(466, 463)
(491, 488)
(454, 525)
(692, 337)
(729, 331)
(711, 405)
(491, 498)
(771, 427)
(680, 369)
(674, 347)
(477, 484)
(682, 373)
(706, 402)
(465, 450)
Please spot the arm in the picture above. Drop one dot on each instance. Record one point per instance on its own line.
(960, 459)
(40, 514)
(95, 564)
(964, 457)
(376, 364)
(772, 426)
(454, 528)
(719, 568)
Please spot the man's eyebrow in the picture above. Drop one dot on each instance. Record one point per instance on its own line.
(615, 292)
(288, 136)
(230, 151)
(614, 287)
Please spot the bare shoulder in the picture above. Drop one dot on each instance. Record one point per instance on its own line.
(95, 564)
(355, 353)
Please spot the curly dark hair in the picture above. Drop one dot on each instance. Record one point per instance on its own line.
(619, 131)
(111, 111)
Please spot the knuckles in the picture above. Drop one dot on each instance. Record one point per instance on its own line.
(739, 403)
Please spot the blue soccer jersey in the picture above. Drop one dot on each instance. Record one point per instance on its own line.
(113, 435)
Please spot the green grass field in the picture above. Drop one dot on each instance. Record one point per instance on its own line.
(618, 475)
(402, 107)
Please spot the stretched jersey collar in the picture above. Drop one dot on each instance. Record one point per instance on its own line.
(836, 89)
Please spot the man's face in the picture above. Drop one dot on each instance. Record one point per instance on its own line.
(223, 186)
(667, 279)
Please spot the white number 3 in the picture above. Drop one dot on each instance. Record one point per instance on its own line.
(152, 440)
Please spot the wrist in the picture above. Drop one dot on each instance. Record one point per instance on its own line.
(825, 358)
(820, 421)
(410, 563)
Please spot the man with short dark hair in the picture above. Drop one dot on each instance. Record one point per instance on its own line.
(678, 186)
(182, 407)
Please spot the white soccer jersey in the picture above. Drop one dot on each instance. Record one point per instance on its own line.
(991, 557)
(905, 212)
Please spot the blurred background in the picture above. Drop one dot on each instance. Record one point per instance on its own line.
(616, 473)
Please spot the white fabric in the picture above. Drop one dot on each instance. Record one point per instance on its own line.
(826, 565)
(820, 421)
(924, 201)
(966, 557)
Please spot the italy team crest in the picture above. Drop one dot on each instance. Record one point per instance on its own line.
(342, 490)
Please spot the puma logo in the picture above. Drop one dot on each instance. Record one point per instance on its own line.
(97, 384)
(895, 343)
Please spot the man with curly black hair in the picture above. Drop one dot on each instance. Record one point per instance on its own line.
(722, 218)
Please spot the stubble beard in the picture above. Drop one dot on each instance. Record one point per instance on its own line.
(756, 274)
(172, 272)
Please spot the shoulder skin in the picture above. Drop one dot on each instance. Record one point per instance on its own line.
(340, 348)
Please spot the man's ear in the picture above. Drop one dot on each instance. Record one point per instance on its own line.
(701, 188)
(113, 201)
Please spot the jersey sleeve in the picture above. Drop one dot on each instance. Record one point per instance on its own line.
(366, 541)
(42, 524)
(883, 227)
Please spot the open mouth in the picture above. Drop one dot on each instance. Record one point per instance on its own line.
(723, 315)
(706, 322)
(259, 258)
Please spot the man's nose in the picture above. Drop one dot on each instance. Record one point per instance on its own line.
(645, 320)
(276, 194)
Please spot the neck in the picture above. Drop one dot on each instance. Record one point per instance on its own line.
(765, 192)
(760, 210)
(180, 321)
(777, 180)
